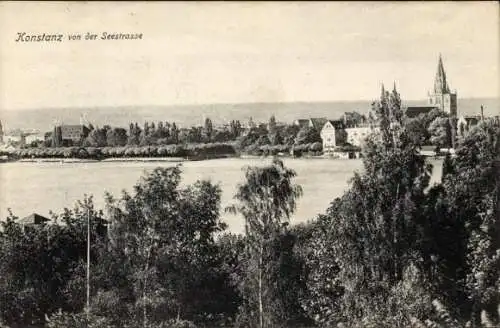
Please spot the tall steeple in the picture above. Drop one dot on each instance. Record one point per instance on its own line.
(442, 97)
(440, 83)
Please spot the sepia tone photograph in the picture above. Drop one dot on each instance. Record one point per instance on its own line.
(249, 164)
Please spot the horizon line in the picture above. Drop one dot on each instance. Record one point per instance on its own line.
(221, 104)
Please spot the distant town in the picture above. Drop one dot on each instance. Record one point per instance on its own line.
(438, 123)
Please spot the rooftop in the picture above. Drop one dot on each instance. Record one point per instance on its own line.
(33, 219)
(414, 111)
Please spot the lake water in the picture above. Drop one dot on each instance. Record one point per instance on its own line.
(41, 187)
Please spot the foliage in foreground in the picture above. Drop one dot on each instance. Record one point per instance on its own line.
(393, 253)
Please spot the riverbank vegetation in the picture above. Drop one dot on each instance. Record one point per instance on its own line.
(393, 251)
(166, 139)
(193, 151)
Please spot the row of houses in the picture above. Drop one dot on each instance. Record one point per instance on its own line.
(64, 134)
(338, 133)
(335, 133)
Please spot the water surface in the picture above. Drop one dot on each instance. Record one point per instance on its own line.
(41, 187)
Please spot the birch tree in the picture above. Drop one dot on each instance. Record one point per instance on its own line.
(266, 200)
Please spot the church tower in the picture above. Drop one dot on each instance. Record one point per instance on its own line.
(442, 97)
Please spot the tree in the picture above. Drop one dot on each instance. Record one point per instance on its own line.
(290, 133)
(354, 118)
(471, 193)
(307, 135)
(324, 291)
(266, 200)
(271, 126)
(235, 128)
(440, 132)
(39, 264)
(167, 233)
(222, 135)
(195, 135)
(57, 137)
(48, 139)
(418, 127)
(274, 133)
(134, 134)
(276, 138)
(174, 134)
(97, 137)
(208, 131)
(375, 227)
(160, 132)
(116, 137)
(250, 138)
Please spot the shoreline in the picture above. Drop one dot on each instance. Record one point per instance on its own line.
(113, 159)
(171, 159)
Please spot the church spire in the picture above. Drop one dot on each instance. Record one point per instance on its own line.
(440, 83)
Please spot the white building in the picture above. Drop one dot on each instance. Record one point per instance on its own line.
(332, 135)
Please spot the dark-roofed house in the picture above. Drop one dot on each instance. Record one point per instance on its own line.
(74, 132)
(67, 135)
(414, 111)
(316, 122)
(33, 219)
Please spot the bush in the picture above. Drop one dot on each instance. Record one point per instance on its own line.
(194, 150)
(316, 147)
(77, 320)
(175, 324)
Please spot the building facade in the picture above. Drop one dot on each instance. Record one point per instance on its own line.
(74, 132)
(332, 135)
(441, 96)
(67, 135)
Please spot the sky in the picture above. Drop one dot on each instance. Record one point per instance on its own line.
(238, 52)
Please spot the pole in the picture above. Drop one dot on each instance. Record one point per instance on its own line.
(88, 264)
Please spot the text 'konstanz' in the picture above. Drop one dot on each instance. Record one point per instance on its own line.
(57, 37)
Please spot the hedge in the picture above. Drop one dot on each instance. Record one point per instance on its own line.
(188, 150)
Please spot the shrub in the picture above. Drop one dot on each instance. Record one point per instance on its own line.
(175, 324)
(77, 320)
